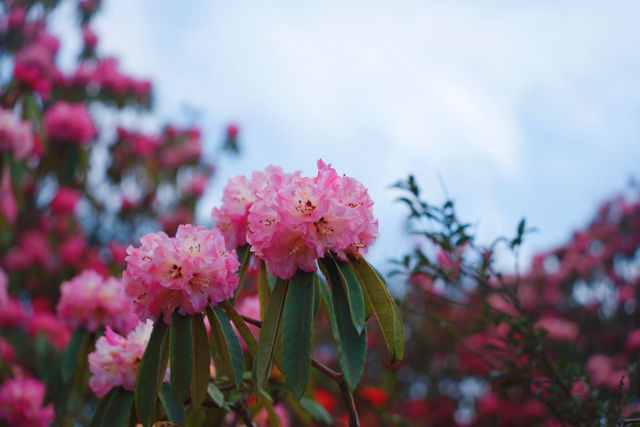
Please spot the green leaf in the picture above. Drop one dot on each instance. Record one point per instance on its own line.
(69, 362)
(326, 305)
(352, 345)
(181, 356)
(244, 255)
(151, 372)
(118, 410)
(244, 331)
(98, 417)
(263, 288)
(174, 411)
(354, 294)
(201, 361)
(383, 305)
(271, 327)
(316, 410)
(216, 395)
(219, 348)
(317, 282)
(341, 274)
(296, 332)
(235, 348)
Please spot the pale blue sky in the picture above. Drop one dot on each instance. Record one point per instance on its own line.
(524, 108)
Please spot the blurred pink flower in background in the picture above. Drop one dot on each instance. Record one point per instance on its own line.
(21, 403)
(90, 301)
(69, 123)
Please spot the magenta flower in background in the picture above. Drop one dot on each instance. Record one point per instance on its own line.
(69, 123)
(8, 204)
(116, 359)
(90, 301)
(15, 135)
(21, 403)
(186, 272)
(65, 200)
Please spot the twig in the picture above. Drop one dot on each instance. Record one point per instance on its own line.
(337, 377)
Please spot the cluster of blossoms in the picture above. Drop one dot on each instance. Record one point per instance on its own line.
(291, 221)
(15, 135)
(69, 123)
(186, 272)
(21, 403)
(91, 301)
(116, 359)
(104, 76)
(35, 64)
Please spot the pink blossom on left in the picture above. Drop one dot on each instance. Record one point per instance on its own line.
(21, 403)
(185, 272)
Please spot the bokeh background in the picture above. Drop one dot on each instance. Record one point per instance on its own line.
(517, 109)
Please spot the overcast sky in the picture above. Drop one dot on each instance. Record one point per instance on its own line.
(523, 108)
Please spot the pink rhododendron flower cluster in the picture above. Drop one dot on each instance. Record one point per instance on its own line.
(4, 285)
(106, 76)
(21, 403)
(65, 200)
(185, 272)
(35, 64)
(237, 199)
(296, 220)
(15, 135)
(8, 204)
(69, 123)
(90, 301)
(116, 359)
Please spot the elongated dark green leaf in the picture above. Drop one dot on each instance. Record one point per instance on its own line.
(354, 294)
(201, 360)
(151, 372)
(73, 351)
(219, 348)
(368, 305)
(326, 305)
(316, 410)
(383, 305)
(296, 332)
(118, 410)
(352, 345)
(263, 288)
(233, 344)
(316, 294)
(174, 411)
(244, 331)
(180, 356)
(271, 327)
(244, 255)
(96, 421)
(341, 274)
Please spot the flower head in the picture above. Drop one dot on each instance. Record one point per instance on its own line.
(69, 123)
(116, 359)
(15, 135)
(185, 272)
(21, 403)
(295, 220)
(91, 301)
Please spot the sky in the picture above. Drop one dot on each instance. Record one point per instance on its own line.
(513, 109)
